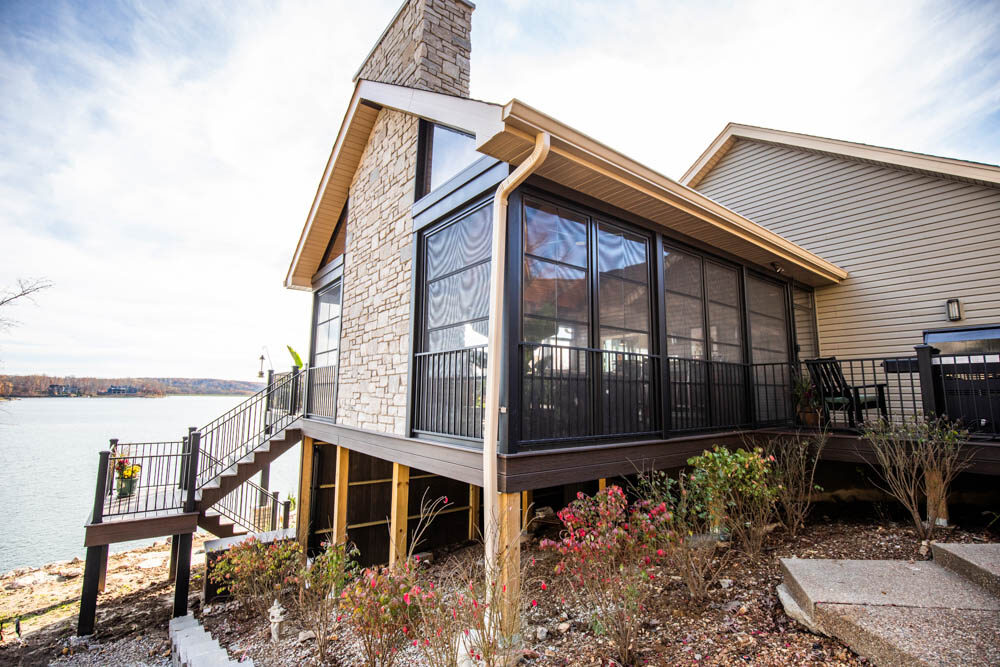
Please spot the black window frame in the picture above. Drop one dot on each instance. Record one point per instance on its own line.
(425, 156)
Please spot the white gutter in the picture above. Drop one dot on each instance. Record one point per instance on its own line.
(491, 516)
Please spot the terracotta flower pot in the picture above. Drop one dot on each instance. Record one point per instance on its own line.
(809, 418)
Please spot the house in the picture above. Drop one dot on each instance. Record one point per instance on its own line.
(632, 321)
(637, 313)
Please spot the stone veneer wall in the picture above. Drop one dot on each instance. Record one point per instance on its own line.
(427, 46)
(374, 340)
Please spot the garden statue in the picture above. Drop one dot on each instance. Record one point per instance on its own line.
(277, 614)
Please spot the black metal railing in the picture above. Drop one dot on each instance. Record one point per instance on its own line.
(576, 392)
(967, 390)
(450, 392)
(322, 392)
(143, 479)
(850, 392)
(253, 508)
(236, 433)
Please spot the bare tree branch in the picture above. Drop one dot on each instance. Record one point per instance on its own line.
(25, 290)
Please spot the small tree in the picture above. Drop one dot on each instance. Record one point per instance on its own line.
(607, 550)
(742, 481)
(321, 583)
(256, 573)
(794, 470)
(688, 539)
(918, 457)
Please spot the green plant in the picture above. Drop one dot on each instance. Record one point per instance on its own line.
(321, 582)
(918, 457)
(687, 539)
(804, 393)
(794, 472)
(256, 573)
(606, 553)
(296, 359)
(739, 485)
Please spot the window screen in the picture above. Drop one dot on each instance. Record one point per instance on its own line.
(725, 324)
(768, 326)
(556, 299)
(623, 290)
(685, 304)
(804, 311)
(326, 345)
(457, 283)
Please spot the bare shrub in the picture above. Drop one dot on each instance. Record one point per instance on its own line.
(321, 583)
(794, 472)
(912, 454)
(689, 540)
(256, 573)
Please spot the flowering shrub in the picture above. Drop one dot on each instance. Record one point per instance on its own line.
(256, 573)
(125, 469)
(607, 552)
(384, 606)
(689, 542)
(321, 583)
(739, 487)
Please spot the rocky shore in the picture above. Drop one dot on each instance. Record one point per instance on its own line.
(132, 613)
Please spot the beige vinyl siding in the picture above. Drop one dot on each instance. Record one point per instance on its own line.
(909, 241)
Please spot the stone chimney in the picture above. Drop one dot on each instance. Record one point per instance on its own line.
(426, 45)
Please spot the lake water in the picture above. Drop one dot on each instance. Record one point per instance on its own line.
(48, 464)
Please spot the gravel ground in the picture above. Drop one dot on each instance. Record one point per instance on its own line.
(741, 624)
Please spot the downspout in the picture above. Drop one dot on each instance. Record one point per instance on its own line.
(491, 517)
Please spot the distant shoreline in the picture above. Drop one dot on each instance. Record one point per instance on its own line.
(17, 397)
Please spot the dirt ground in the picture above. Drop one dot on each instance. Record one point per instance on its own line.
(742, 622)
(135, 606)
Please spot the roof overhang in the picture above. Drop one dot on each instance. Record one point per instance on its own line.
(976, 172)
(370, 97)
(578, 162)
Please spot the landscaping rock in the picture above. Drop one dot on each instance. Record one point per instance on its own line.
(541, 633)
(726, 583)
(306, 635)
(564, 627)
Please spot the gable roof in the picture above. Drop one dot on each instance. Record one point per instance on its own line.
(575, 161)
(976, 172)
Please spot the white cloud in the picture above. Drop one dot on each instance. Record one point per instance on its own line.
(160, 176)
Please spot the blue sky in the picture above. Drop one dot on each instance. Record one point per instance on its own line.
(157, 160)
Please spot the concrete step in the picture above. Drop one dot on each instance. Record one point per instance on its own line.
(895, 612)
(979, 563)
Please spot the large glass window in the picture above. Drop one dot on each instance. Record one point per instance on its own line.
(444, 153)
(623, 290)
(326, 341)
(804, 311)
(456, 282)
(556, 295)
(702, 308)
(768, 325)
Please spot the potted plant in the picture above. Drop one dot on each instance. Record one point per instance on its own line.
(128, 475)
(806, 398)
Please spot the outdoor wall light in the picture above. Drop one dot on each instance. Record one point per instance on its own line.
(954, 310)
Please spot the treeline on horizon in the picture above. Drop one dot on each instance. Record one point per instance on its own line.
(26, 386)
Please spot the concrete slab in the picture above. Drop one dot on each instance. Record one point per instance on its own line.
(979, 563)
(914, 636)
(881, 583)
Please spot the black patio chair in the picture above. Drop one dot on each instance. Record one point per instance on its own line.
(837, 394)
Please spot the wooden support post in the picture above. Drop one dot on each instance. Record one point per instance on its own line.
(340, 489)
(274, 510)
(302, 517)
(103, 577)
(509, 558)
(285, 512)
(172, 571)
(183, 581)
(473, 511)
(527, 498)
(602, 484)
(937, 500)
(399, 513)
(265, 481)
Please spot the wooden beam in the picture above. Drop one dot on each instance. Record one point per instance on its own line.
(527, 498)
(399, 513)
(341, 486)
(102, 580)
(302, 517)
(509, 558)
(473, 511)
(602, 484)
(110, 532)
